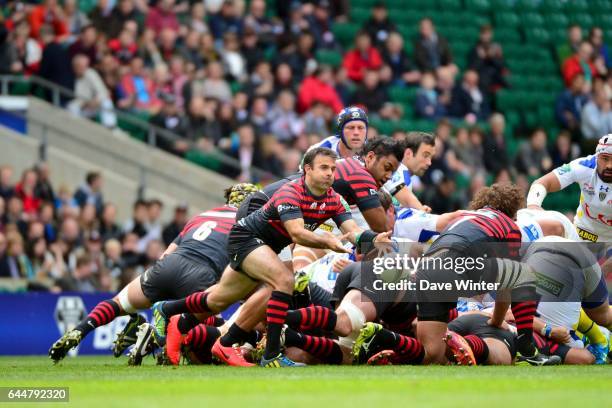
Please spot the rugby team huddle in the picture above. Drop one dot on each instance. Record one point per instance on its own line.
(298, 257)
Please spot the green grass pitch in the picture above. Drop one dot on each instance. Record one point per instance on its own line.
(108, 382)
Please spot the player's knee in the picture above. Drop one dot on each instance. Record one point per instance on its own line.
(343, 324)
(284, 283)
(579, 357)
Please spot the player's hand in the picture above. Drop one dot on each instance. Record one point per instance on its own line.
(335, 243)
(503, 325)
(426, 208)
(560, 335)
(383, 237)
(339, 264)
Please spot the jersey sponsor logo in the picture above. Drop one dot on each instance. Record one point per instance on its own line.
(285, 207)
(548, 284)
(588, 188)
(326, 227)
(311, 227)
(584, 234)
(373, 192)
(313, 206)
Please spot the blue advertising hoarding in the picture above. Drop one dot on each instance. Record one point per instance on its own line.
(31, 322)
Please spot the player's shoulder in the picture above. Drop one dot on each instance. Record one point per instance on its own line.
(330, 142)
(586, 164)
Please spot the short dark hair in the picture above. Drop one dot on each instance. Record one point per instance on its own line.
(414, 140)
(91, 177)
(318, 151)
(384, 146)
(140, 203)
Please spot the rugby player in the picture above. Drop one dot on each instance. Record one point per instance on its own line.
(192, 263)
(292, 213)
(593, 173)
(489, 222)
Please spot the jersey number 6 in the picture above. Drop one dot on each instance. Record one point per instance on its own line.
(204, 230)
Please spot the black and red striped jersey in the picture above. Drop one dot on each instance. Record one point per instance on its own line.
(356, 184)
(293, 200)
(473, 230)
(204, 238)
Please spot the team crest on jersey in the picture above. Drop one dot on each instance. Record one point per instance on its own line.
(603, 192)
(564, 169)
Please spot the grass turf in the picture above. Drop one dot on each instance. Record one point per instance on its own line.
(107, 382)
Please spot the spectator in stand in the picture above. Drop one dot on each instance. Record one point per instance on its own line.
(7, 187)
(19, 265)
(91, 191)
(301, 56)
(563, 151)
(91, 97)
(379, 26)
(9, 58)
(247, 152)
(174, 227)
(48, 13)
(123, 12)
(363, 57)
(214, 86)
(137, 90)
(495, 151)
(259, 116)
(75, 19)
(109, 229)
(319, 87)
(46, 216)
(55, 62)
(427, 102)
(259, 25)
(162, 17)
(16, 215)
(190, 50)
(124, 48)
(596, 38)
(283, 80)
(29, 50)
(398, 69)
(86, 45)
(228, 20)
(580, 63)
(44, 189)
(467, 101)
(41, 261)
(375, 97)
(250, 49)
(572, 44)
(138, 223)
(320, 25)
(100, 16)
(316, 119)
(431, 50)
(25, 190)
(441, 198)
(234, 62)
(170, 119)
(533, 159)
(487, 60)
(272, 153)
(81, 279)
(596, 117)
(569, 104)
(5, 271)
(201, 126)
(88, 222)
(286, 125)
(197, 18)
